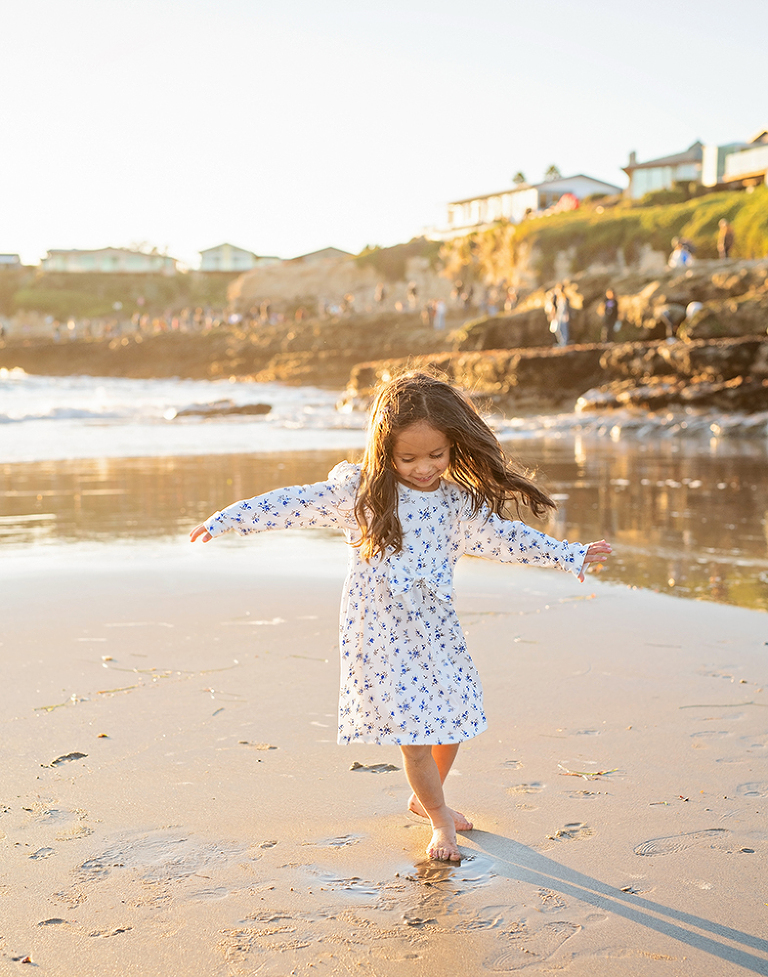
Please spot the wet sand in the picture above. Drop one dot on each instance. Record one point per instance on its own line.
(173, 800)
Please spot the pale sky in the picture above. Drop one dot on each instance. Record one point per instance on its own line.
(291, 125)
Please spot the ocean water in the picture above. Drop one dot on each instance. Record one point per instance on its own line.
(88, 464)
(58, 418)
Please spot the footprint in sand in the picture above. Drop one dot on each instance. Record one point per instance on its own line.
(759, 789)
(531, 949)
(74, 832)
(340, 842)
(551, 901)
(575, 831)
(374, 767)
(533, 788)
(710, 838)
(66, 758)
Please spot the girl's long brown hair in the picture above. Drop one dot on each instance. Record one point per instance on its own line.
(477, 463)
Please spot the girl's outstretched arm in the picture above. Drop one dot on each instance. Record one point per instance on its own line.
(200, 531)
(596, 553)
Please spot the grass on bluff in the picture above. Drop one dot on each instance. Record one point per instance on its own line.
(591, 236)
(94, 294)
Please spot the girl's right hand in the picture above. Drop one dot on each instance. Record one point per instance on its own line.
(200, 531)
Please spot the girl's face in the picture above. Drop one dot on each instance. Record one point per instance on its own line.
(421, 454)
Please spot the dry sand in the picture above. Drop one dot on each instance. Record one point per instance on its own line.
(173, 800)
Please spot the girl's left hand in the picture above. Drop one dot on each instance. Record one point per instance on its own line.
(596, 553)
(200, 531)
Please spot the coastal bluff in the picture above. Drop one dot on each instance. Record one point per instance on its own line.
(718, 359)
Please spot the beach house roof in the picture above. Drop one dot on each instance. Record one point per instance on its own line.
(663, 173)
(691, 155)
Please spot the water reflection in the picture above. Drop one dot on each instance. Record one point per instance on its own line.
(682, 520)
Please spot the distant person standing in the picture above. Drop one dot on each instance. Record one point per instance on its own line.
(380, 294)
(610, 315)
(439, 315)
(412, 295)
(724, 239)
(562, 317)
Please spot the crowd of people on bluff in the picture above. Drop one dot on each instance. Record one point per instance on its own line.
(557, 305)
(465, 298)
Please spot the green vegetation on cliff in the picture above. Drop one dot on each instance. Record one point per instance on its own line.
(598, 234)
(94, 294)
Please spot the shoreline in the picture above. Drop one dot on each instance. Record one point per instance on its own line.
(215, 827)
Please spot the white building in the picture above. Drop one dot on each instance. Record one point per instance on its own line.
(227, 257)
(475, 213)
(749, 164)
(713, 162)
(663, 173)
(114, 260)
(10, 261)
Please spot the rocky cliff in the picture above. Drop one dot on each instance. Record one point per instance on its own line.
(718, 361)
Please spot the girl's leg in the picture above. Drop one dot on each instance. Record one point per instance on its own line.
(443, 754)
(424, 778)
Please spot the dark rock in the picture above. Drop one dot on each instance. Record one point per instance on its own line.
(223, 407)
(634, 359)
(517, 330)
(551, 377)
(705, 324)
(659, 393)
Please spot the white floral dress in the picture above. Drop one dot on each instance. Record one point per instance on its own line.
(406, 674)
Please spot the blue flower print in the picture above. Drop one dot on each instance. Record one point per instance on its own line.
(406, 674)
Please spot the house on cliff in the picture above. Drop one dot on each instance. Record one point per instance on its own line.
(664, 173)
(112, 260)
(747, 165)
(227, 257)
(737, 164)
(475, 213)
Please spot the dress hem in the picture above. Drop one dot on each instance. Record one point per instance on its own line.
(401, 741)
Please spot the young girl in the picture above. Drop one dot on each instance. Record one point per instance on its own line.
(433, 484)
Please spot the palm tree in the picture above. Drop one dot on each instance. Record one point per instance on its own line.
(519, 178)
(553, 173)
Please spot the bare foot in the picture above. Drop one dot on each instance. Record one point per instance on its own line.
(461, 823)
(443, 846)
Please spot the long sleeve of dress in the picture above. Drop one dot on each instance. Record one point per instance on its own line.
(489, 536)
(324, 505)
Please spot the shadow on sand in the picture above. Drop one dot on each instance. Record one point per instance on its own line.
(518, 862)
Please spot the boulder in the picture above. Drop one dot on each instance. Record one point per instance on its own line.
(662, 393)
(522, 378)
(515, 330)
(705, 324)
